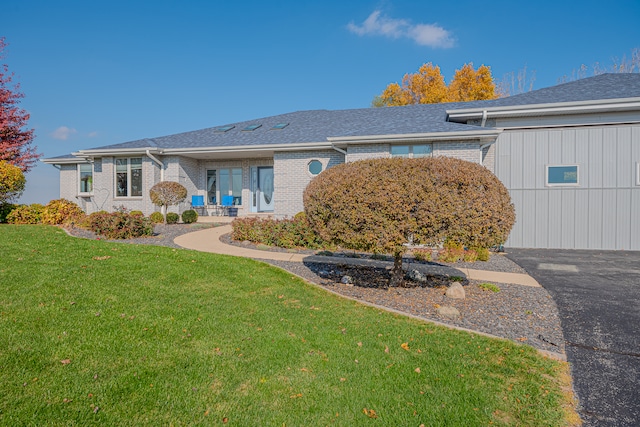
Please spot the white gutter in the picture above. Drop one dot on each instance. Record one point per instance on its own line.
(115, 151)
(484, 118)
(159, 163)
(547, 109)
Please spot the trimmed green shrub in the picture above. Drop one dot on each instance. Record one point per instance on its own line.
(189, 216)
(26, 214)
(483, 254)
(60, 211)
(137, 213)
(172, 218)
(157, 217)
(5, 209)
(120, 225)
(422, 254)
(284, 233)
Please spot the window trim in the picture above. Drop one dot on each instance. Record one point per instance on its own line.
(129, 176)
(562, 184)
(637, 173)
(80, 192)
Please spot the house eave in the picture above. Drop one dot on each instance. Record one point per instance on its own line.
(64, 161)
(550, 109)
(116, 152)
(481, 135)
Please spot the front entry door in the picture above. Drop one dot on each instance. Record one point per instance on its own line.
(265, 189)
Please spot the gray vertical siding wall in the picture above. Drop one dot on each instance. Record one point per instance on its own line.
(600, 213)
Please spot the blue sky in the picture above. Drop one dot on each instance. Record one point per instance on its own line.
(102, 72)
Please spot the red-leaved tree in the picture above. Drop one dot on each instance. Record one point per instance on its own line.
(15, 139)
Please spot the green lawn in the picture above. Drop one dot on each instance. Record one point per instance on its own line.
(97, 333)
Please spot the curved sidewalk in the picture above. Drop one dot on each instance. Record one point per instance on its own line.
(209, 241)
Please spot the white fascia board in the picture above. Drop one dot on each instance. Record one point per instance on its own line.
(413, 137)
(597, 106)
(250, 148)
(64, 161)
(116, 152)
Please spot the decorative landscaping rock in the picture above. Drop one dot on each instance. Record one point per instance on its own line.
(456, 291)
(416, 276)
(448, 312)
(347, 280)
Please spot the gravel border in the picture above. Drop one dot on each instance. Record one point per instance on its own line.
(523, 314)
(519, 313)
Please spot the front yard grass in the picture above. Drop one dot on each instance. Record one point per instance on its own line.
(99, 333)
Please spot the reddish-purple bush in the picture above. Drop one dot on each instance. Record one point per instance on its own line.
(120, 225)
(284, 233)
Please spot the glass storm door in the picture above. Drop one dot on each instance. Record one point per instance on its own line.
(265, 189)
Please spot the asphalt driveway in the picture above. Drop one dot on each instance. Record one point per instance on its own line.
(598, 297)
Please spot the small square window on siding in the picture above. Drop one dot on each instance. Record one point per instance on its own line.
(562, 175)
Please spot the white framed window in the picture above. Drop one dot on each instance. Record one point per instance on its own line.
(562, 175)
(411, 151)
(314, 167)
(129, 177)
(85, 178)
(637, 173)
(230, 184)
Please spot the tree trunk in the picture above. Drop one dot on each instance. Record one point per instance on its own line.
(397, 274)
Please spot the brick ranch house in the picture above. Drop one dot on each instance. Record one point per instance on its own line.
(569, 155)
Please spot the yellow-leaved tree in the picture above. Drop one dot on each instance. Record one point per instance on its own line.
(427, 86)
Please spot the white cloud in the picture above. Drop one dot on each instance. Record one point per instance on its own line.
(92, 134)
(431, 35)
(63, 133)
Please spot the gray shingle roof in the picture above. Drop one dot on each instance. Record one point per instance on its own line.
(312, 126)
(603, 86)
(318, 125)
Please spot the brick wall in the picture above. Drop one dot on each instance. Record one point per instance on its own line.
(291, 177)
(462, 150)
(368, 151)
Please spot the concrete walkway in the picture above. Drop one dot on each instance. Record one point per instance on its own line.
(208, 240)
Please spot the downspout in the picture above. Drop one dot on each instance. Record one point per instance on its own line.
(339, 150)
(159, 163)
(483, 124)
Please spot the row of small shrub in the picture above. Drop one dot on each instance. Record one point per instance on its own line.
(453, 253)
(120, 224)
(55, 212)
(284, 233)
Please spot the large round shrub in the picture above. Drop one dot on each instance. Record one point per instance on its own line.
(381, 205)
